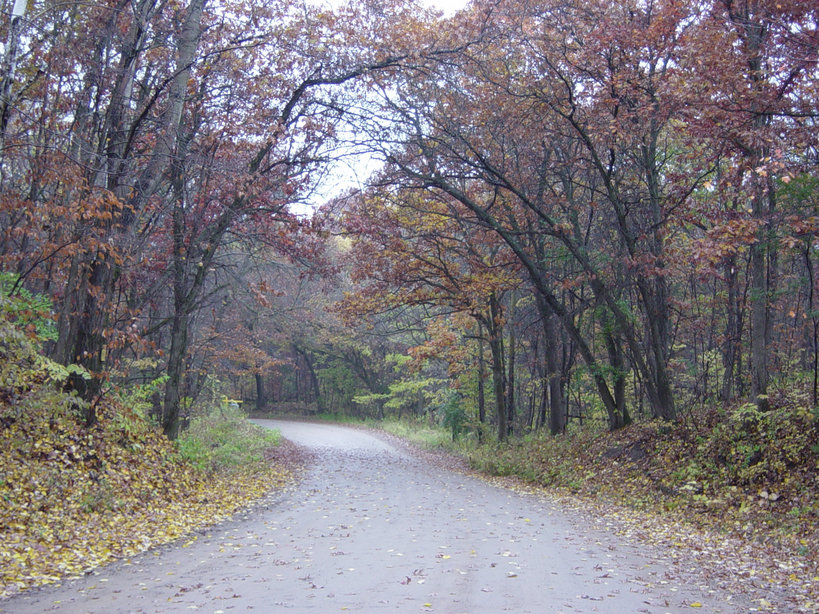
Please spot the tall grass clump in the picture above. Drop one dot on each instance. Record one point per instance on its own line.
(419, 432)
(225, 439)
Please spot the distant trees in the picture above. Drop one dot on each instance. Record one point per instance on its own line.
(413, 249)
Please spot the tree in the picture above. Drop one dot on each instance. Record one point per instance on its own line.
(160, 155)
(753, 63)
(416, 249)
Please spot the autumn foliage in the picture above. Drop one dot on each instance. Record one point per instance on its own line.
(566, 215)
(75, 497)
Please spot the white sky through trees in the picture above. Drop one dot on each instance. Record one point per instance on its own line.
(352, 171)
(447, 6)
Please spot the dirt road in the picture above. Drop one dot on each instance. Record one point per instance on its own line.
(373, 528)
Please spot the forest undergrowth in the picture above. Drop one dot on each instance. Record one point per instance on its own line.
(741, 470)
(74, 497)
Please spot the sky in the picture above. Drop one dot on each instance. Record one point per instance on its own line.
(344, 177)
(447, 6)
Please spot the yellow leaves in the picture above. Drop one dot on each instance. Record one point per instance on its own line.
(71, 499)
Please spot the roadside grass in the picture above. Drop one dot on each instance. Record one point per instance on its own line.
(738, 469)
(420, 433)
(224, 440)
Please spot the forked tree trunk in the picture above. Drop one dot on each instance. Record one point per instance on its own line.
(185, 290)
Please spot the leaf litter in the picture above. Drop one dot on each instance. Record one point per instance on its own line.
(755, 550)
(74, 498)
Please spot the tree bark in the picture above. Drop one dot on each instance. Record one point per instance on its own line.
(618, 367)
(314, 382)
(185, 290)
(729, 355)
(171, 404)
(495, 330)
(554, 376)
(481, 386)
(261, 399)
(760, 306)
(510, 379)
(10, 67)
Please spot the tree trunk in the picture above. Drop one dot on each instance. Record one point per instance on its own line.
(760, 316)
(753, 32)
(655, 297)
(175, 369)
(88, 342)
(729, 356)
(617, 367)
(495, 330)
(498, 387)
(554, 378)
(481, 386)
(10, 67)
(261, 400)
(814, 342)
(185, 290)
(181, 295)
(314, 382)
(510, 380)
(546, 299)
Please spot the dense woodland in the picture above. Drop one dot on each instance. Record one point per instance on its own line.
(575, 212)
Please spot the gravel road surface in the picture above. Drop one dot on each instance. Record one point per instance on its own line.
(372, 527)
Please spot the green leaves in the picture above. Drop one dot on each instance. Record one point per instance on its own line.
(27, 310)
(224, 440)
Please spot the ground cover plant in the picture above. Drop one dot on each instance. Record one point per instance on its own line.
(73, 497)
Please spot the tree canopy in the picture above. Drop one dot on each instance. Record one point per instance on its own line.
(592, 212)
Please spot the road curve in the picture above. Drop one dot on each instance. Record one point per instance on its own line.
(372, 528)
